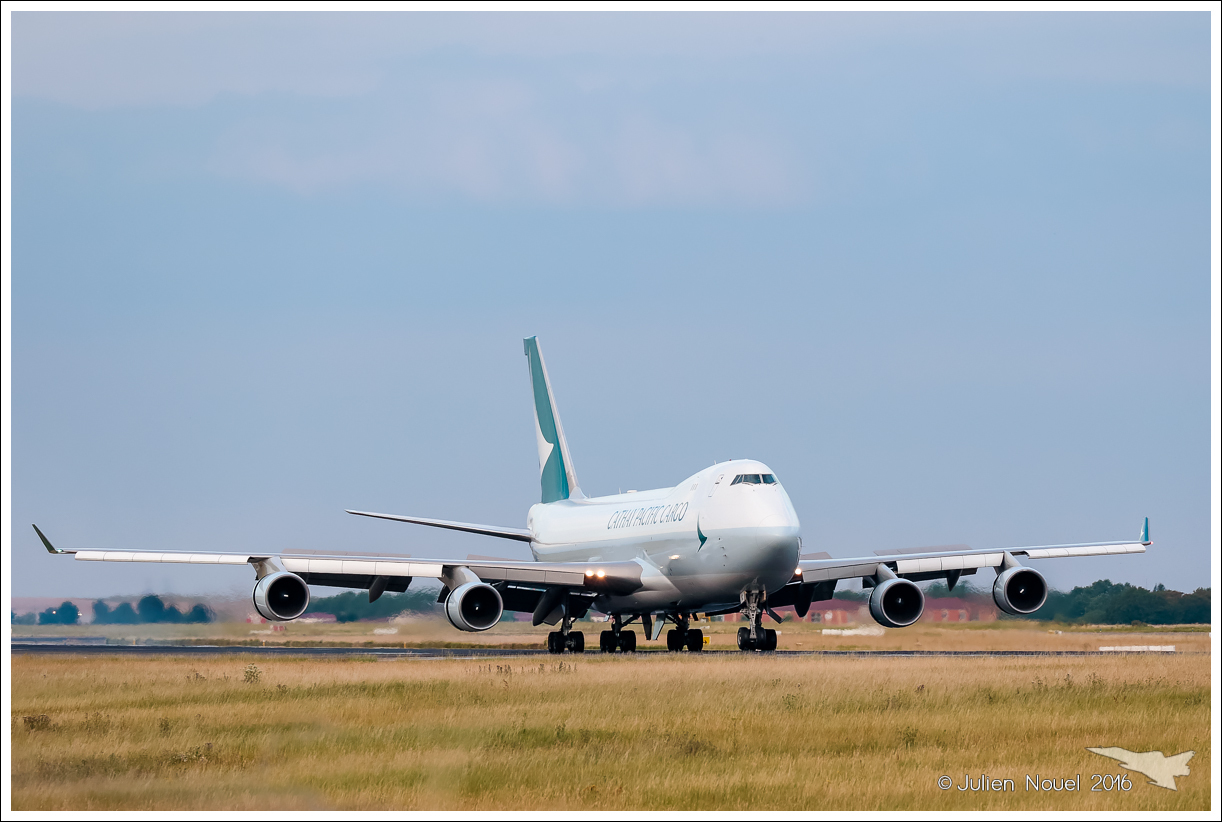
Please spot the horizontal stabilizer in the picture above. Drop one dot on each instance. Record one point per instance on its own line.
(520, 534)
(928, 549)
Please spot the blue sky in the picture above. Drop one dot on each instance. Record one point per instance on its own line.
(948, 274)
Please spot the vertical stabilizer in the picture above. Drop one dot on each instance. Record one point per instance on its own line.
(556, 475)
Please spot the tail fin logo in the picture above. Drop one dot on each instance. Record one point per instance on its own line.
(545, 448)
(556, 477)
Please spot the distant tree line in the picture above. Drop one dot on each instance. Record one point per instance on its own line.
(65, 614)
(352, 606)
(1100, 603)
(148, 609)
(1107, 603)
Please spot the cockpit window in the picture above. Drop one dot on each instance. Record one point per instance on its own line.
(755, 479)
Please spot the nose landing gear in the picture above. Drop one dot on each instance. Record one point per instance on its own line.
(765, 640)
(756, 637)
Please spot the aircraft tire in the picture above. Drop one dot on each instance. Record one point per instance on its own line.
(576, 643)
(606, 642)
(555, 643)
(744, 640)
(627, 642)
(769, 640)
(674, 640)
(695, 640)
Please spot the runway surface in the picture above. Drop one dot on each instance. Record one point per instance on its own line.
(60, 649)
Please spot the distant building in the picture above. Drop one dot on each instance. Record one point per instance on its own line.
(255, 619)
(954, 609)
(850, 612)
(832, 616)
(828, 612)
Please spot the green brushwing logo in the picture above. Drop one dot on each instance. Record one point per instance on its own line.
(552, 477)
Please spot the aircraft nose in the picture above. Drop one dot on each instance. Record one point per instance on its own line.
(750, 509)
(780, 520)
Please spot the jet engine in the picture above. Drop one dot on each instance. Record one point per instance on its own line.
(896, 603)
(474, 606)
(1020, 590)
(281, 596)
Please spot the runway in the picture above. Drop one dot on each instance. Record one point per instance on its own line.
(61, 649)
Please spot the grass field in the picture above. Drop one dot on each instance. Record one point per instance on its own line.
(652, 731)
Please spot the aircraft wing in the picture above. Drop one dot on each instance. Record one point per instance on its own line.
(936, 564)
(815, 579)
(362, 570)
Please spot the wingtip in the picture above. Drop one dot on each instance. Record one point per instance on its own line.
(1145, 532)
(51, 549)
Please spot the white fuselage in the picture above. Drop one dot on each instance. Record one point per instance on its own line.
(700, 544)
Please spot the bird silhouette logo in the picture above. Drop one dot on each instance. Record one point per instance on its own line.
(1161, 769)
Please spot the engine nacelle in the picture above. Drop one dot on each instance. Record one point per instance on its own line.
(1020, 590)
(896, 603)
(281, 596)
(475, 606)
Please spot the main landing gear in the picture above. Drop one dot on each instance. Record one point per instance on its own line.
(558, 642)
(756, 637)
(617, 639)
(566, 639)
(683, 636)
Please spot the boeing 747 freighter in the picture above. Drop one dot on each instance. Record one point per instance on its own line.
(725, 540)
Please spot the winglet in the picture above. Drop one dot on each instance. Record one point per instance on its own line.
(51, 549)
(1145, 532)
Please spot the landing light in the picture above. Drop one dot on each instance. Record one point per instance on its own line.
(601, 573)
(674, 556)
(589, 573)
(798, 571)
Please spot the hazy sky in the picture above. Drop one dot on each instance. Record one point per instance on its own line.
(947, 274)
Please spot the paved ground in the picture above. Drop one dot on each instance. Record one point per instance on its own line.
(61, 648)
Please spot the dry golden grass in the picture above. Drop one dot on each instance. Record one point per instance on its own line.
(749, 732)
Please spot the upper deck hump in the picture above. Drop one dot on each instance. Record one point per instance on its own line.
(631, 496)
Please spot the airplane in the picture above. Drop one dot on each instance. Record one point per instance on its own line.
(723, 541)
(1161, 769)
